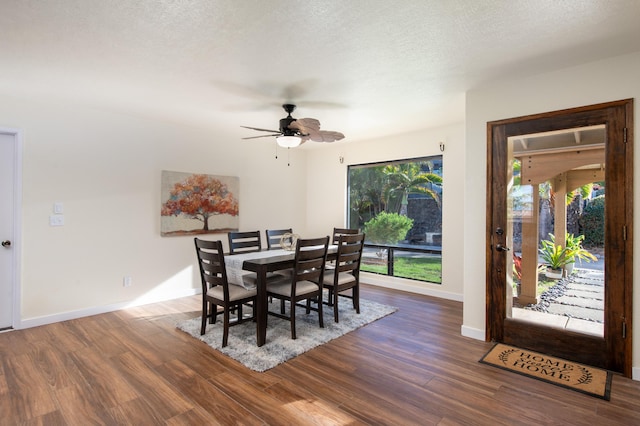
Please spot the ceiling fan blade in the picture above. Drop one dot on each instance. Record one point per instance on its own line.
(261, 130)
(310, 123)
(310, 127)
(326, 136)
(263, 136)
(305, 126)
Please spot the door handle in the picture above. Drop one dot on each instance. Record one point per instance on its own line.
(6, 243)
(500, 247)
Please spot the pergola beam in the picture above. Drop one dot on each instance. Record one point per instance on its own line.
(541, 167)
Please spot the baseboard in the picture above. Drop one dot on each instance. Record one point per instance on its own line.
(410, 286)
(635, 373)
(96, 310)
(473, 333)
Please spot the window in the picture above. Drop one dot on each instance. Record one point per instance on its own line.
(398, 204)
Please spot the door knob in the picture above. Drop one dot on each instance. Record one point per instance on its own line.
(500, 247)
(6, 243)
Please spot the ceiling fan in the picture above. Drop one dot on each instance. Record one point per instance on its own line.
(294, 132)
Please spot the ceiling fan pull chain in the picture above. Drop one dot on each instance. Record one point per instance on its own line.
(288, 154)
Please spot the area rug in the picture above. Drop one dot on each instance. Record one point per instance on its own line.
(280, 347)
(582, 378)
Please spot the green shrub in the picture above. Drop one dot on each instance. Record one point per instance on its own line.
(592, 222)
(387, 228)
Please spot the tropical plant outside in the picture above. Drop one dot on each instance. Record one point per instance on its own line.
(557, 257)
(575, 250)
(377, 188)
(405, 179)
(554, 255)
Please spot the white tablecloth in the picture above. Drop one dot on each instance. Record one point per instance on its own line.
(237, 276)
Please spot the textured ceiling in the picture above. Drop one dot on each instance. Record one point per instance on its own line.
(364, 67)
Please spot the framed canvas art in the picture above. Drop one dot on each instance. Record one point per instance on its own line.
(198, 203)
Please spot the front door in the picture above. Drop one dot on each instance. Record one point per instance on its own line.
(537, 166)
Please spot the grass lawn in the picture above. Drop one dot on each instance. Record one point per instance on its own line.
(421, 268)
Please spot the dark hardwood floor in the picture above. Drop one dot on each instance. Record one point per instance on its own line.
(412, 367)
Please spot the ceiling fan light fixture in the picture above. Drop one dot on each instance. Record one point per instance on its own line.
(288, 141)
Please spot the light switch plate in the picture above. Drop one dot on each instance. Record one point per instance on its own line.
(58, 208)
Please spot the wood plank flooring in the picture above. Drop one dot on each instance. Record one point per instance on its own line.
(133, 367)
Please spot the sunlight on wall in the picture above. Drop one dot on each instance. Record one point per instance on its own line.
(169, 288)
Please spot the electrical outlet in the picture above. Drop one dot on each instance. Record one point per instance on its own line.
(56, 220)
(126, 281)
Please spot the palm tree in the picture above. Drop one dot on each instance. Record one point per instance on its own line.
(409, 178)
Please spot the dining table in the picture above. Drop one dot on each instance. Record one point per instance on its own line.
(263, 263)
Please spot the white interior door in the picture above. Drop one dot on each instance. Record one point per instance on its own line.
(8, 148)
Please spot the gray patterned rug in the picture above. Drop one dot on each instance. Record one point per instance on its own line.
(280, 347)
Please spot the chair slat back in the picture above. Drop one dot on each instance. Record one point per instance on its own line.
(337, 232)
(311, 256)
(350, 247)
(211, 264)
(273, 237)
(243, 242)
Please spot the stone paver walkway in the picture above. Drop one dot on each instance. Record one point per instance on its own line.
(583, 297)
(575, 303)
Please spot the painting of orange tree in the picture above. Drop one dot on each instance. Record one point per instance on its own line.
(198, 203)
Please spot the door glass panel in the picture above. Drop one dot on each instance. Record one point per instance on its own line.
(555, 230)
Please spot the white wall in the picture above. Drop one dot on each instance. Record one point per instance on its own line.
(326, 192)
(105, 168)
(603, 81)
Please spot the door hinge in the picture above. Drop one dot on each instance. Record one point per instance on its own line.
(624, 329)
(624, 233)
(625, 134)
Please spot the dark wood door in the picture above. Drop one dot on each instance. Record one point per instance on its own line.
(522, 153)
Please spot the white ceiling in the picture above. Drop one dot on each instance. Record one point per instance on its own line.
(366, 68)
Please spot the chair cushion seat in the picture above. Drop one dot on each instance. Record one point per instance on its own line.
(284, 288)
(236, 292)
(343, 278)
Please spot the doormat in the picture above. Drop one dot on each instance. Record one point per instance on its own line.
(582, 378)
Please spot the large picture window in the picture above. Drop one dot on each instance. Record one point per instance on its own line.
(398, 204)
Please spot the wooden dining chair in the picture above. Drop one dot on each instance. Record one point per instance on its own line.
(274, 236)
(342, 231)
(305, 282)
(246, 242)
(346, 272)
(243, 242)
(334, 240)
(216, 290)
